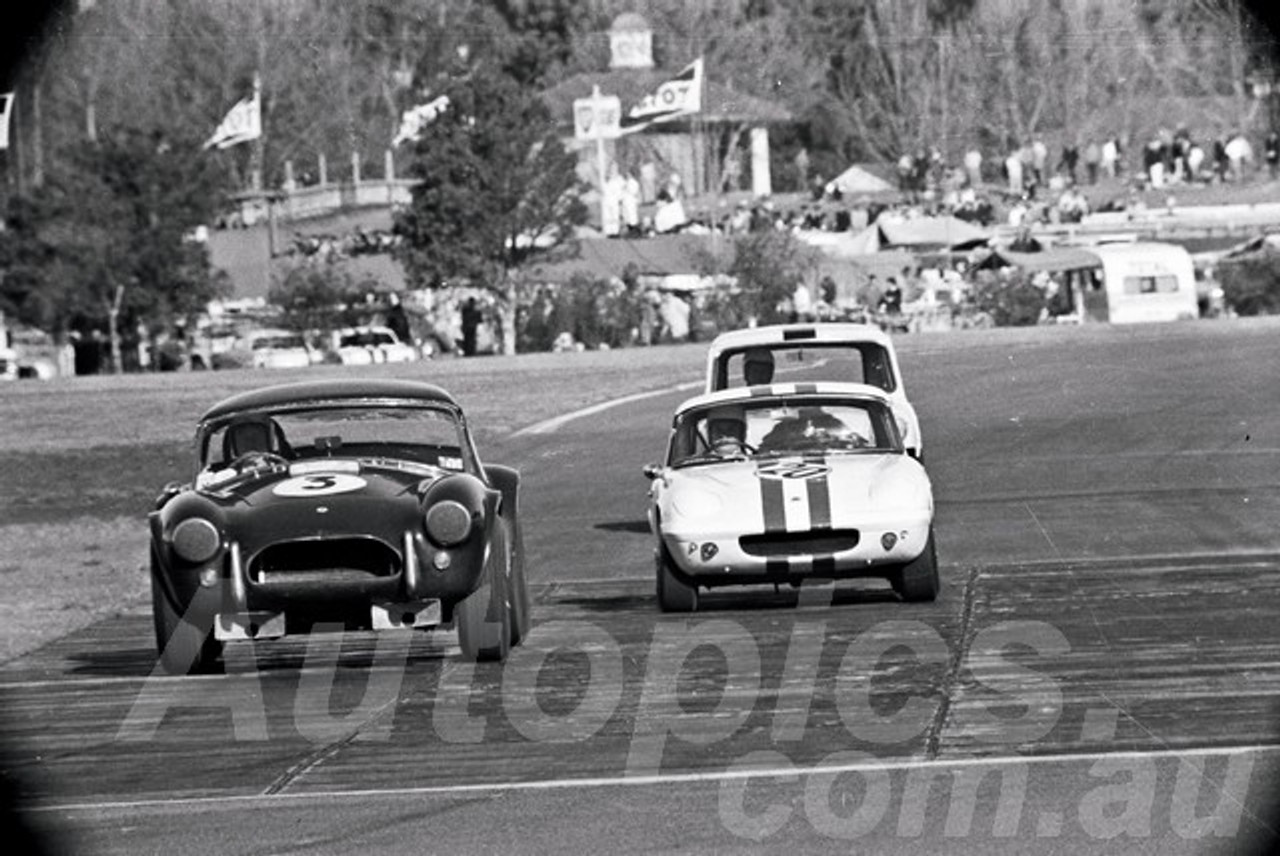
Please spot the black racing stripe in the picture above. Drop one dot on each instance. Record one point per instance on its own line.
(777, 567)
(824, 566)
(819, 490)
(773, 501)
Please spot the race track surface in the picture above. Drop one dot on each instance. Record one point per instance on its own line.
(1100, 674)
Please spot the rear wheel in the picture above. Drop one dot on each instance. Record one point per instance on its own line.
(918, 579)
(484, 616)
(674, 594)
(187, 644)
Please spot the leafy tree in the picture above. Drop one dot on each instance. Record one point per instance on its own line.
(107, 242)
(492, 176)
(768, 265)
(318, 297)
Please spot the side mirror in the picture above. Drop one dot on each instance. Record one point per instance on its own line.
(652, 471)
(168, 492)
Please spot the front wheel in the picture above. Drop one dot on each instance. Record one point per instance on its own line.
(186, 643)
(674, 594)
(918, 580)
(484, 616)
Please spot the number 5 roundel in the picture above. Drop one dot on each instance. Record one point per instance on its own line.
(320, 484)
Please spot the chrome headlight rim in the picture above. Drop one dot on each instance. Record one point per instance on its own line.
(448, 522)
(195, 540)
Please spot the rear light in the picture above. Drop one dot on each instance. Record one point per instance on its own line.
(448, 523)
(196, 540)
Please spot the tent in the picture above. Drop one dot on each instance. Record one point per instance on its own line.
(919, 233)
(1053, 260)
(855, 179)
(609, 258)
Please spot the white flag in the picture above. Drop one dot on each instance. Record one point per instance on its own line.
(415, 118)
(6, 110)
(675, 98)
(242, 124)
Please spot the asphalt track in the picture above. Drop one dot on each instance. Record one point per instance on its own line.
(1100, 674)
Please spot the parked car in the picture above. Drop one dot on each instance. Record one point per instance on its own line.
(795, 353)
(366, 345)
(360, 502)
(781, 484)
(267, 348)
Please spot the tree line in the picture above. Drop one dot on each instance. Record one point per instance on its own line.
(106, 180)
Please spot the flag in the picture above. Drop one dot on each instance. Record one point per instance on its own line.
(242, 124)
(675, 98)
(6, 110)
(414, 119)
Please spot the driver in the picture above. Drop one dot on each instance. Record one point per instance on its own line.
(726, 433)
(757, 367)
(260, 434)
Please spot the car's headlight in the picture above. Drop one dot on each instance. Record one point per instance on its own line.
(196, 540)
(448, 522)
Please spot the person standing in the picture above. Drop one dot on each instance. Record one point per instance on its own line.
(471, 316)
(1013, 169)
(973, 167)
(1110, 158)
(631, 205)
(1092, 161)
(1070, 158)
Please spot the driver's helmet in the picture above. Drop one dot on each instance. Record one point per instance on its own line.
(757, 366)
(251, 434)
(726, 426)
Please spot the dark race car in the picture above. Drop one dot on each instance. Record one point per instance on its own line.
(359, 502)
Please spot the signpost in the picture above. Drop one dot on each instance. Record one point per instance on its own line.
(598, 118)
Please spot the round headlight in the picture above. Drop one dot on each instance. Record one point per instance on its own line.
(196, 540)
(448, 523)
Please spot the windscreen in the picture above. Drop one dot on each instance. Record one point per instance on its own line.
(862, 362)
(783, 427)
(425, 435)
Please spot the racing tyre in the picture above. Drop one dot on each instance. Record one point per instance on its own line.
(674, 594)
(185, 648)
(918, 579)
(521, 610)
(484, 616)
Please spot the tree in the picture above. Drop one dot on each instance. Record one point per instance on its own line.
(768, 265)
(108, 241)
(492, 178)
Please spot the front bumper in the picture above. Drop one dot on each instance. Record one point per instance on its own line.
(721, 558)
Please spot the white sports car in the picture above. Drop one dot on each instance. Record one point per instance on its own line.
(797, 353)
(781, 483)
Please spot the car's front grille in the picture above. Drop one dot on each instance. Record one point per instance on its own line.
(335, 560)
(813, 543)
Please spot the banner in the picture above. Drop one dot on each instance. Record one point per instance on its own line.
(674, 99)
(6, 110)
(242, 124)
(415, 119)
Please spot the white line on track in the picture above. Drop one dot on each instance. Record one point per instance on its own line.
(789, 772)
(546, 426)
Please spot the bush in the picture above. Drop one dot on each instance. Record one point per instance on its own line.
(1251, 285)
(1011, 301)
